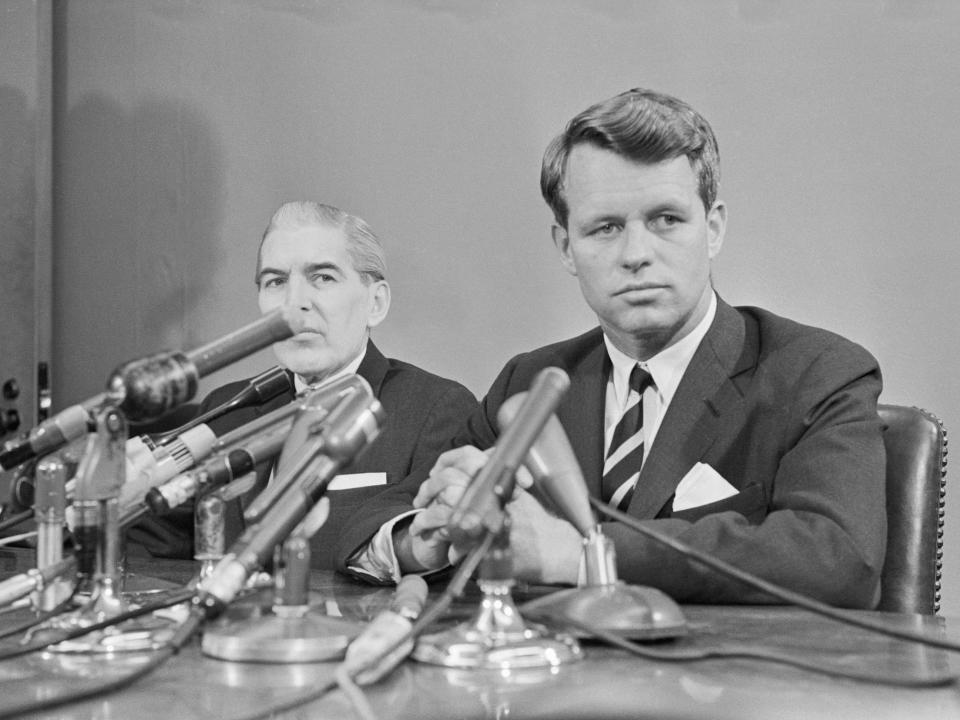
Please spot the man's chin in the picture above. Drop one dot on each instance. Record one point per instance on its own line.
(304, 367)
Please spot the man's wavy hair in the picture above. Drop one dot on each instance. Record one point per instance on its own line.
(363, 245)
(642, 125)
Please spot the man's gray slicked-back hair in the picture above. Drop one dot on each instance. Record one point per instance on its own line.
(363, 245)
(641, 125)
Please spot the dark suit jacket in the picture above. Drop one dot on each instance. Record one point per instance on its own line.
(422, 413)
(784, 412)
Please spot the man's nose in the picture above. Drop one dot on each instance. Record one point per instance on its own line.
(298, 295)
(636, 247)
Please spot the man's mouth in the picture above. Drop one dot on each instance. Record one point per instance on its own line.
(639, 288)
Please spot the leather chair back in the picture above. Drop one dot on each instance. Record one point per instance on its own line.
(916, 447)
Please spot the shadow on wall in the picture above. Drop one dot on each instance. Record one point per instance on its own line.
(16, 209)
(138, 204)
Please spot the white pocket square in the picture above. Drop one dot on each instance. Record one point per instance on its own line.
(351, 481)
(700, 486)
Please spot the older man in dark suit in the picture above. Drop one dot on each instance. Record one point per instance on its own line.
(744, 434)
(327, 268)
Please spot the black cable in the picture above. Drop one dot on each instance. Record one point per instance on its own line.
(15, 520)
(776, 591)
(695, 655)
(25, 625)
(160, 656)
(61, 635)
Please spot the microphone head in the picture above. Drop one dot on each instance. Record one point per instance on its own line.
(269, 384)
(148, 387)
(554, 467)
(315, 406)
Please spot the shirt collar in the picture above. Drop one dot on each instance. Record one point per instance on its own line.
(351, 367)
(667, 366)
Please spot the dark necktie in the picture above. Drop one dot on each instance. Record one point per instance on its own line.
(625, 454)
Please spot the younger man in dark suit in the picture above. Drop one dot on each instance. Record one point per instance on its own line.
(744, 434)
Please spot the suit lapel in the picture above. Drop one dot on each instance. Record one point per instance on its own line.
(581, 411)
(706, 401)
(373, 368)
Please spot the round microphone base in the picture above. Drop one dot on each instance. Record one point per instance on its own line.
(635, 612)
(148, 632)
(297, 637)
(497, 638)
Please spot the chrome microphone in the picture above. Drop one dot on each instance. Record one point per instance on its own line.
(602, 600)
(348, 428)
(480, 509)
(299, 449)
(239, 451)
(555, 469)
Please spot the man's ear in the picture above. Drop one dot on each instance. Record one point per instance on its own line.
(716, 228)
(379, 296)
(561, 238)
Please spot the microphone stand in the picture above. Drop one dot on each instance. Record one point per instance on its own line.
(603, 601)
(497, 637)
(100, 477)
(638, 612)
(291, 629)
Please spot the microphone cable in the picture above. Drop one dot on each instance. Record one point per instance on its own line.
(695, 655)
(21, 627)
(11, 539)
(787, 596)
(159, 655)
(174, 597)
(15, 520)
(431, 614)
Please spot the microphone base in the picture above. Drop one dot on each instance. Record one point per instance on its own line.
(635, 612)
(149, 632)
(497, 638)
(279, 635)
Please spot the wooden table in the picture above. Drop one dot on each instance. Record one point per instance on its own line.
(607, 683)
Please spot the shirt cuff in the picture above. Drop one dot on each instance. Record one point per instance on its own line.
(378, 558)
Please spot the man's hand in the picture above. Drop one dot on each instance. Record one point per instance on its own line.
(546, 549)
(425, 544)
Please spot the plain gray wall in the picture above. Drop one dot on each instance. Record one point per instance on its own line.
(181, 125)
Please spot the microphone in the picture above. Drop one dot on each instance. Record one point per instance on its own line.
(478, 511)
(375, 652)
(239, 451)
(224, 467)
(258, 390)
(554, 467)
(602, 601)
(147, 467)
(299, 448)
(149, 387)
(50, 435)
(349, 427)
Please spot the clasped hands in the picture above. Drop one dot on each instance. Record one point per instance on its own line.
(546, 549)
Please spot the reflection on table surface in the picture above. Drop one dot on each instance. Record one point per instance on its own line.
(607, 683)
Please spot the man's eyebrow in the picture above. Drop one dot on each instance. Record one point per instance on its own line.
(268, 271)
(326, 265)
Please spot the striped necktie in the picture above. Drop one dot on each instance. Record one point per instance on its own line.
(625, 454)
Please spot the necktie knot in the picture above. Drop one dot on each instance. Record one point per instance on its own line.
(640, 379)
